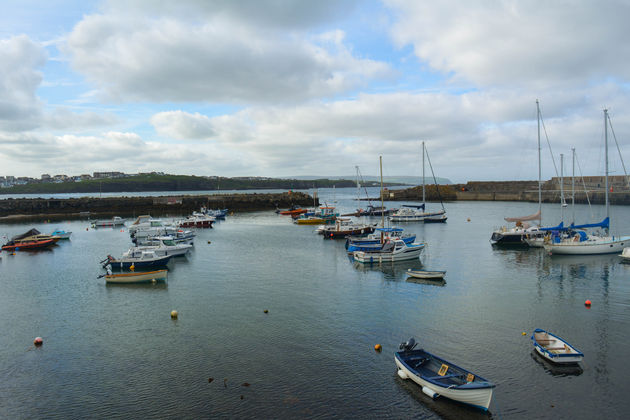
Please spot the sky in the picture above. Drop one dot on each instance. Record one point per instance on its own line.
(280, 88)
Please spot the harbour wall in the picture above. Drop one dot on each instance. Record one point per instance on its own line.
(587, 189)
(32, 208)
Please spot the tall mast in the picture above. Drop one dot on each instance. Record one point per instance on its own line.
(573, 188)
(423, 194)
(561, 187)
(380, 162)
(358, 186)
(539, 166)
(606, 147)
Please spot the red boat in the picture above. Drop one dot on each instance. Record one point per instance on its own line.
(293, 212)
(32, 239)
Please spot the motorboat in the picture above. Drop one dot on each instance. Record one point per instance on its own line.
(416, 213)
(31, 239)
(161, 245)
(554, 348)
(293, 211)
(426, 274)
(62, 234)
(375, 240)
(345, 227)
(137, 259)
(113, 222)
(196, 220)
(392, 250)
(439, 377)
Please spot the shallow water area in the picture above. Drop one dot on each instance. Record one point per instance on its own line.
(113, 351)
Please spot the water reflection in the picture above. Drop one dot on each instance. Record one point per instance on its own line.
(391, 270)
(555, 369)
(429, 282)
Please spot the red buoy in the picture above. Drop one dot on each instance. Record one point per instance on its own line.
(587, 303)
(38, 341)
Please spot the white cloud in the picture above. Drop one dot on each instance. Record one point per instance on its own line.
(182, 125)
(518, 43)
(223, 54)
(20, 58)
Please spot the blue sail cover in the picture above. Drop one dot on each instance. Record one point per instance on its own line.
(603, 224)
(413, 206)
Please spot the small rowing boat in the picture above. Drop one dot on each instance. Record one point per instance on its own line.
(426, 274)
(438, 377)
(136, 277)
(554, 348)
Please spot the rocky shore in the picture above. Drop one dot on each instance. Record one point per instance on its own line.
(93, 207)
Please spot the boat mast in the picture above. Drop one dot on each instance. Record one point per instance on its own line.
(380, 161)
(539, 166)
(562, 187)
(573, 188)
(606, 147)
(423, 193)
(358, 187)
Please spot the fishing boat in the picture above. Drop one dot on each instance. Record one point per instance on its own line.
(113, 222)
(62, 234)
(418, 213)
(426, 274)
(32, 239)
(376, 239)
(323, 215)
(554, 348)
(293, 211)
(390, 251)
(138, 259)
(161, 245)
(597, 243)
(197, 220)
(439, 377)
(345, 227)
(128, 278)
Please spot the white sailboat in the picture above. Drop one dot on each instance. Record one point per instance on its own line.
(581, 244)
(418, 213)
(522, 230)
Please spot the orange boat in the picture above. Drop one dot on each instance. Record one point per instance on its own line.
(30, 240)
(293, 212)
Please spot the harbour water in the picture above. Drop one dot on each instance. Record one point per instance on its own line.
(113, 351)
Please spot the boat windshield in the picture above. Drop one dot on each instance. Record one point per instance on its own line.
(168, 242)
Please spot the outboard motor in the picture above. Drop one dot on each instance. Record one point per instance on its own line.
(409, 345)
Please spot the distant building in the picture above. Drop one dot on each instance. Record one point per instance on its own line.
(46, 177)
(108, 174)
(60, 178)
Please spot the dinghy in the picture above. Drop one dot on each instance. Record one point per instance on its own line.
(438, 377)
(135, 277)
(554, 348)
(426, 274)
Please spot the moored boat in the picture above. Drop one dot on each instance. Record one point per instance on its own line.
(345, 227)
(197, 220)
(62, 234)
(390, 251)
(554, 348)
(134, 277)
(137, 259)
(426, 274)
(113, 222)
(374, 240)
(32, 239)
(439, 377)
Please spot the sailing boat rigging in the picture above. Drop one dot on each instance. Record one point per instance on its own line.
(417, 213)
(578, 242)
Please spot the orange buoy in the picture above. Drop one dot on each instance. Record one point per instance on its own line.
(378, 348)
(38, 341)
(587, 303)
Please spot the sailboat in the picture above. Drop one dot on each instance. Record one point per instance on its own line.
(418, 213)
(522, 229)
(579, 243)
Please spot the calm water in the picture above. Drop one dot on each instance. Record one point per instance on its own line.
(113, 351)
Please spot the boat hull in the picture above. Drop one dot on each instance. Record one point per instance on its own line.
(589, 247)
(128, 278)
(30, 245)
(425, 274)
(477, 396)
(410, 253)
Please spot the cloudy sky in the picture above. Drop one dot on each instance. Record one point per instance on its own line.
(286, 88)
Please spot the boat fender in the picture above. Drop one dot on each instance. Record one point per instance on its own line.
(431, 393)
(402, 374)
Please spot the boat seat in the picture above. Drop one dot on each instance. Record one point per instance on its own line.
(452, 375)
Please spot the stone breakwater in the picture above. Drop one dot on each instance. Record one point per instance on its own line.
(155, 206)
(592, 190)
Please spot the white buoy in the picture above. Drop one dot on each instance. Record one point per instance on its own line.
(402, 374)
(431, 393)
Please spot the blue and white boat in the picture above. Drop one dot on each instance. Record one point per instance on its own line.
(390, 251)
(61, 234)
(138, 259)
(554, 348)
(374, 240)
(439, 377)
